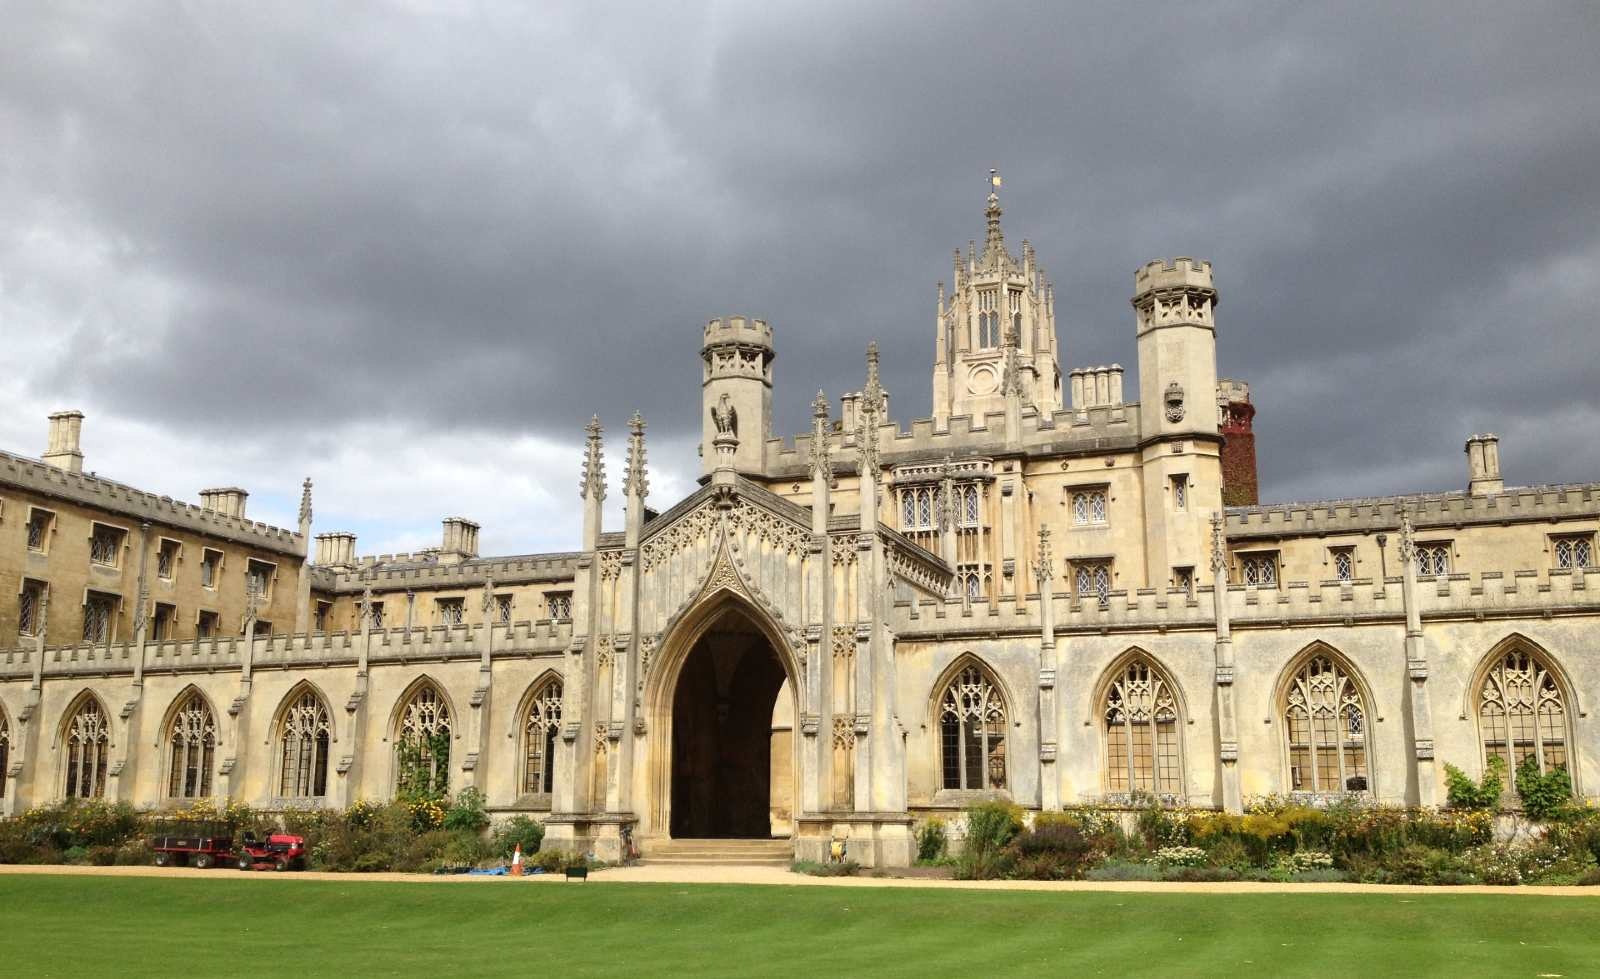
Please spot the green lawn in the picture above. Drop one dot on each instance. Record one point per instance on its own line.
(170, 927)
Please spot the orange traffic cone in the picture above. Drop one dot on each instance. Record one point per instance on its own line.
(516, 862)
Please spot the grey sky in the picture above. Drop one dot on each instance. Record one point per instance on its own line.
(408, 248)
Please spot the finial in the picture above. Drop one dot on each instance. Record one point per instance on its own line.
(305, 501)
(1408, 543)
(821, 461)
(1044, 572)
(819, 407)
(488, 595)
(594, 464)
(1218, 559)
(364, 610)
(637, 481)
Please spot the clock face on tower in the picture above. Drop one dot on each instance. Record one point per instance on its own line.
(983, 380)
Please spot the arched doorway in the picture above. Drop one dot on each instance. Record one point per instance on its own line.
(723, 735)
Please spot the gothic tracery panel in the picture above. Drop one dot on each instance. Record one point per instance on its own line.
(1325, 724)
(88, 739)
(1522, 713)
(192, 739)
(540, 728)
(422, 744)
(972, 731)
(1140, 713)
(304, 735)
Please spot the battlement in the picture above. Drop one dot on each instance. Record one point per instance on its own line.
(1176, 273)
(96, 492)
(386, 572)
(1518, 505)
(1230, 391)
(739, 330)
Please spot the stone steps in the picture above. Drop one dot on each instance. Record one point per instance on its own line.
(764, 853)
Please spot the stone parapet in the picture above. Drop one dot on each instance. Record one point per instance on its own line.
(1521, 504)
(113, 497)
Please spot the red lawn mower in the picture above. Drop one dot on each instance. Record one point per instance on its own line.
(203, 845)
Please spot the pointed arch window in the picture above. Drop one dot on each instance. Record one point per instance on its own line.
(1325, 722)
(88, 740)
(972, 729)
(539, 732)
(422, 744)
(1522, 713)
(304, 735)
(193, 737)
(1141, 724)
(5, 751)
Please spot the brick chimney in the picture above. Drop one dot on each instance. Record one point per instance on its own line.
(62, 451)
(1235, 415)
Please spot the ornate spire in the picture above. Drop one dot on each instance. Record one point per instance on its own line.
(594, 464)
(637, 481)
(1219, 558)
(305, 501)
(821, 452)
(994, 247)
(488, 597)
(867, 414)
(1012, 382)
(947, 495)
(364, 609)
(1408, 540)
(1043, 572)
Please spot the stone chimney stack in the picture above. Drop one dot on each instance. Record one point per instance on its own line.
(460, 541)
(62, 451)
(336, 549)
(1483, 465)
(226, 500)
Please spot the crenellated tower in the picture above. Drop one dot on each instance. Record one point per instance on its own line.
(993, 294)
(736, 391)
(1174, 306)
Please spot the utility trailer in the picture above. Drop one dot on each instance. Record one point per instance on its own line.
(198, 844)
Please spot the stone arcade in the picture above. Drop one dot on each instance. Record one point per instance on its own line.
(1043, 591)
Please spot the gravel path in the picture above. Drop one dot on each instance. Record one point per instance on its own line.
(734, 874)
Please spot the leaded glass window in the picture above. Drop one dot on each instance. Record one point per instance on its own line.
(105, 546)
(98, 611)
(1089, 507)
(1522, 714)
(1092, 580)
(1141, 724)
(972, 727)
(1433, 559)
(304, 734)
(423, 744)
(1325, 722)
(167, 559)
(988, 320)
(88, 740)
(1575, 551)
(30, 608)
(193, 737)
(1344, 563)
(451, 611)
(918, 507)
(539, 734)
(1180, 492)
(560, 604)
(502, 609)
(969, 506)
(39, 528)
(1259, 569)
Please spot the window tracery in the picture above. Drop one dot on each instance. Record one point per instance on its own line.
(1325, 722)
(423, 744)
(972, 726)
(193, 737)
(303, 739)
(88, 740)
(1522, 714)
(539, 732)
(1141, 722)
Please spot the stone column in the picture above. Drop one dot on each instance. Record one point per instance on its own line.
(1227, 721)
(624, 690)
(816, 703)
(1417, 668)
(302, 597)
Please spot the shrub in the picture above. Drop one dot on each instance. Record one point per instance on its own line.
(1495, 864)
(468, 812)
(1417, 864)
(1053, 850)
(932, 842)
(1123, 870)
(1178, 856)
(1228, 852)
(1464, 793)
(519, 829)
(1543, 796)
(990, 827)
(1158, 826)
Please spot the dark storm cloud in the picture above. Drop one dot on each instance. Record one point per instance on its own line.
(504, 218)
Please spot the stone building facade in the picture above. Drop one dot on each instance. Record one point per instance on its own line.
(1041, 592)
